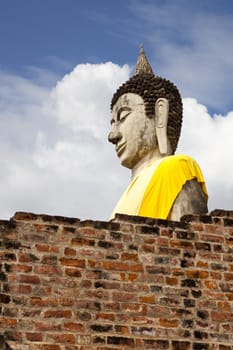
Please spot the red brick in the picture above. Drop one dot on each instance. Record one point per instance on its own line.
(72, 272)
(49, 326)
(73, 327)
(73, 262)
(224, 305)
(148, 248)
(90, 232)
(48, 301)
(47, 270)
(49, 259)
(50, 347)
(30, 279)
(132, 277)
(149, 299)
(24, 289)
(210, 228)
(115, 265)
(129, 256)
(105, 316)
(70, 251)
(172, 281)
(142, 291)
(57, 314)
(211, 285)
(228, 276)
(8, 322)
(222, 316)
(63, 338)
(198, 227)
(163, 241)
(136, 267)
(26, 257)
(67, 301)
(202, 264)
(81, 241)
(216, 275)
(34, 336)
(20, 268)
(47, 248)
(121, 296)
(229, 296)
(197, 274)
(168, 323)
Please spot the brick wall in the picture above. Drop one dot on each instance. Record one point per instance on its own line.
(135, 283)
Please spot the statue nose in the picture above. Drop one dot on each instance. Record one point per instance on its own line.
(114, 137)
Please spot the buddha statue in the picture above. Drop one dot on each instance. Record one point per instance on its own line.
(145, 129)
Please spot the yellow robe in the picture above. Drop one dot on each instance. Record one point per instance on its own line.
(153, 191)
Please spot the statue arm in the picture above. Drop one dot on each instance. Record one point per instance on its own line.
(190, 200)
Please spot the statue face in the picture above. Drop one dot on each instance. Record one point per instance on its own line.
(132, 132)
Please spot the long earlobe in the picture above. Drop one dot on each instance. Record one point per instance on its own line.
(161, 119)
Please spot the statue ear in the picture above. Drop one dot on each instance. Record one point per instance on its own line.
(161, 118)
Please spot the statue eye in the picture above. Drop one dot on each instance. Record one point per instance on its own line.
(123, 113)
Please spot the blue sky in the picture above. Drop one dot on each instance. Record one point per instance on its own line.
(56, 84)
(182, 38)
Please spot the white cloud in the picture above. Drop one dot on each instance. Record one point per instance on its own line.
(54, 151)
(191, 45)
(53, 145)
(208, 139)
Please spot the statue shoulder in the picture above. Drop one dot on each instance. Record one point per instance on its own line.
(190, 200)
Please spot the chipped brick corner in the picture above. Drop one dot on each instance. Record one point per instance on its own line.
(135, 283)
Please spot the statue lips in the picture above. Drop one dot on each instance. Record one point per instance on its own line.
(120, 149)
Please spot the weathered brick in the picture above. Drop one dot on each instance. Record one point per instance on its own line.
(73, 262)
(156, 344)
(8, 322)
(143, 284)
(123, 296)
(28, 258)
(5, 298)
(72, 272)
(62, 338)
(47, 270)
(34, 337)
(18, 268)
(129, 256)
(81, 241)
(48, 326)
(148, 299)
(69, 251)
(57, 314)
(49, 259)
(50, 347)
(115, 265)
(47, 301)
(47, 248)
(181, 345)
(169, 323)
(129, 342)
(222, 316)
(101, 328)
(30, 279)
(73, 327)
(192, 274)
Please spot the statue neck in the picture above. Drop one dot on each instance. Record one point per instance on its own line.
(148, 159)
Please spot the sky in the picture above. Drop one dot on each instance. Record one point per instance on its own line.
(60, 63)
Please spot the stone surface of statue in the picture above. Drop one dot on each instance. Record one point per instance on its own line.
(145, 129)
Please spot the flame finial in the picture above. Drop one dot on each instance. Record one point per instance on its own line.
(143, 65)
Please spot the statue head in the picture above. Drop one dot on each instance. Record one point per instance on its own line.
(146, 115)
